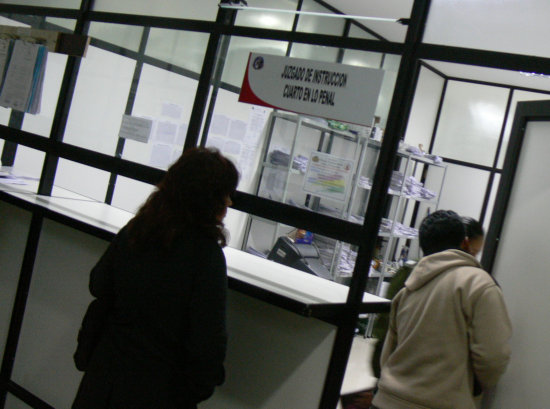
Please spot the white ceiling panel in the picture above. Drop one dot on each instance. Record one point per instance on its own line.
(381, 8)
(511, 26)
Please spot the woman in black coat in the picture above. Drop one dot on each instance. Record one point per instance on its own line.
(155, 337)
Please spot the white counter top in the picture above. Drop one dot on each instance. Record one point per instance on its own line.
(252, 270)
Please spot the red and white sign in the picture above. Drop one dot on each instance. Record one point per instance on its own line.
(327, 90)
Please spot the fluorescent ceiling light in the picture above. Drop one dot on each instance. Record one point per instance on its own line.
(535, 74)
(403, 21)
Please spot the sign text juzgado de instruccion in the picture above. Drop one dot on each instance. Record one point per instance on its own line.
(312, 76)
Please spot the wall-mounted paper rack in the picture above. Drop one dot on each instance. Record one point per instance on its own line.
(56, 42)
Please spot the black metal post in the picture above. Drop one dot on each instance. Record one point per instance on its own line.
(10, 148)
(495, 161)
(66, 93)
(397, 120)
(129, 107)
(224, 17)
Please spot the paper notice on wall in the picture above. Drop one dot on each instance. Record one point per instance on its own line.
(166, 132)
(328, 176)
(219, 124)
(171, 110)
(237, 129)
(256, 124)
(215, 142)
(137, 129)
(161, 155)
(232, 148)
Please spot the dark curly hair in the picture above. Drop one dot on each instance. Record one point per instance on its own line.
(474, 229)
(441, 230)
(188, 200)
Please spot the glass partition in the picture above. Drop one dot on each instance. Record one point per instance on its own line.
(99, 100)
(127, 37)
(319, 24)
(67, 4)
(520, 25)
(166, 99)
(470, 122)
(189, 9)
(268, 19)
(183, 49)
(289, 158)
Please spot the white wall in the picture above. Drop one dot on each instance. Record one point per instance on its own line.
(14, 227)
(276, 359)
(58, 298)
(522, 270)
(424, 109)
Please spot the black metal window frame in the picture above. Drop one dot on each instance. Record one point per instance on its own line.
(413, 52)
(528, 111)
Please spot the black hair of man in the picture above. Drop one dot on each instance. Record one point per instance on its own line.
(474, 229)
(442, 230)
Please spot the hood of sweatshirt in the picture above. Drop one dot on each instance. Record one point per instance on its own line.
(431, 266)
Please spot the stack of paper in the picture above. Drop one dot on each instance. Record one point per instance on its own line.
(22, 69)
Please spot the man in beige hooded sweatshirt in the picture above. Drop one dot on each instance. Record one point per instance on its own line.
(448, 327)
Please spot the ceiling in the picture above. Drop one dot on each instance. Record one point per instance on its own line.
(510, 26)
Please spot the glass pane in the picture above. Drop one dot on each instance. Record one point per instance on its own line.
(362, 58)
(28, 162)
(276, 151)
(71, 176)
(470, 122)
(392, 10)
(130, 194)
(184, 49)
(237, 56)
(124, 36)
(517, 28)
(391, 67)
(314, 52)
(13, 20)
(357, 31)
(319, 25)
(99, 100)
(61, 24)
(517, 96)
(167, 99)
(464, 190)
(306, 252)
(273, 20)
(189, 9)
(424, 109)
(67, 4)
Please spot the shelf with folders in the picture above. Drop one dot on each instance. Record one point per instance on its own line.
(409, 201)
(291, 143)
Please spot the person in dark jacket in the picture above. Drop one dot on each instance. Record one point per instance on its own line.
(155, 335)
